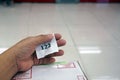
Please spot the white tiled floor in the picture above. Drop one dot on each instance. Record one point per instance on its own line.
(92, 32)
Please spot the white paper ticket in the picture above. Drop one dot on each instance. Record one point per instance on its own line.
(47, 48)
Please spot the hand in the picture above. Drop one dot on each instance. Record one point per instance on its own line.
(25, 51)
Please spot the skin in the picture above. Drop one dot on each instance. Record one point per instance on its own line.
(22, 56)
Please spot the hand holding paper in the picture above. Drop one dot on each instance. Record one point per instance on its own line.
(22, 56)
(25, 50)
(47, 48)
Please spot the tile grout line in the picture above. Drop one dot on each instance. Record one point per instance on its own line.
(67, 26)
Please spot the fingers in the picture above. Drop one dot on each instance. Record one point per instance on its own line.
(48, 59)
(61, 42)
(43, 61)
(60, 53)
(43, 38)
(57, 36)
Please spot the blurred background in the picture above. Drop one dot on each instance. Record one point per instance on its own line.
(90, 27)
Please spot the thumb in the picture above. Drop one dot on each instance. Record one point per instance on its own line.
(43, 38)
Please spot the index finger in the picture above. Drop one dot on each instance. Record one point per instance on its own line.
(58, 36)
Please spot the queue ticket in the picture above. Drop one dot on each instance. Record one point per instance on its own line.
(47, 48)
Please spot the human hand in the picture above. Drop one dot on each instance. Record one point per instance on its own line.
(25, 51)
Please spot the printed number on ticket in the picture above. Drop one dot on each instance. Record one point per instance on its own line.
(47, 48)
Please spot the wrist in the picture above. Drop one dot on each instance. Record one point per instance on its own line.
(8, 65)
(11, 58)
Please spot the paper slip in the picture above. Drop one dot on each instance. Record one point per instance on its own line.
(47, 48)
